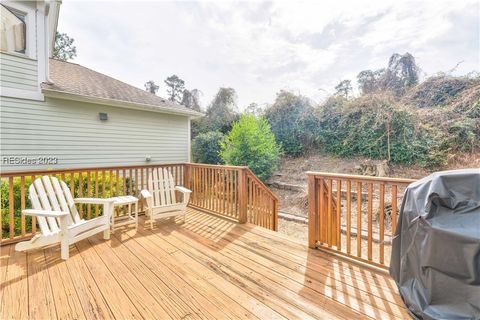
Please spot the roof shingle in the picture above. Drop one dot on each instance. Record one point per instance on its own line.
(75, 79)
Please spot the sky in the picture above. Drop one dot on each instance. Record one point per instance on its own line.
(259, 48)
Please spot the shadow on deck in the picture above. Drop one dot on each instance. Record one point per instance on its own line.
(208, 267)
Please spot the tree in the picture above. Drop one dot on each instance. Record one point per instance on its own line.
(402, 73)
(64, 49)
(220, 115)
(191, 99)
(254, 108)
(175, 87)
(151, 87)
(206, 147)
(344, 88)
(293, 122)
(251, 143)
(370, 81)
(222, 112)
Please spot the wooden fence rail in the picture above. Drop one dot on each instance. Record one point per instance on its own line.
(262, 203)
(234, 192)
(354, 215)
(216, 189)
(219, 189)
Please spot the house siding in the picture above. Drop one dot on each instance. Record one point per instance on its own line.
(72, 132)
(18, 72)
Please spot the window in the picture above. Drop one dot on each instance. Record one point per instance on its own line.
(12, 30)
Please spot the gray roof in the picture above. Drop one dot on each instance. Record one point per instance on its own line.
(72, 78)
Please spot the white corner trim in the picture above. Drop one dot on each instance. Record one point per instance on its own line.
(21, 94)
(41, 44)
(189, 142)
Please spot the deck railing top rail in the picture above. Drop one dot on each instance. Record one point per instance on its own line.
(85, 169)
(360, 178)
(260, 182)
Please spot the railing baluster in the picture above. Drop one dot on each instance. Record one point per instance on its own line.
(88, 195)
(338, 223)
(72, 183)
(11, 208)
(110, 179)
(370, 221)
(381, 222)
(394, 209)
(34, 219)
(22, 204)
(104, 188)
(329, 215)
(96, 192)
(80, 192)
(359, 219)
(322, 221)
(130, 183)
(349, 214)
(117, 193)
(124, 173)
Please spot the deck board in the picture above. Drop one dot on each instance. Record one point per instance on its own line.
(205, 268)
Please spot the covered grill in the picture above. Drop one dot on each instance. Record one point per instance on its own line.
(436, 249)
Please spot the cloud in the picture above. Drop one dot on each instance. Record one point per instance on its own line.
(259, 48)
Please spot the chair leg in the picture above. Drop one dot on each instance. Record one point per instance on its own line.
(106, 234)
(150, 214)
(64, 238)
(64, 248)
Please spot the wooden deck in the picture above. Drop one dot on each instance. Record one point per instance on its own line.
(207, 268)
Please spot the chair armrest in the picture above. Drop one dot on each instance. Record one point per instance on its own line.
(45, 213)
(145, 194)
(183, 189)
(93, 200)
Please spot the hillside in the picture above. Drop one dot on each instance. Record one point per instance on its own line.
(289, 182)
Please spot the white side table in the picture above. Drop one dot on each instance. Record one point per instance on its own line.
(130, 217)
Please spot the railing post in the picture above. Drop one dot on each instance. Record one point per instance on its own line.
(186, 176)
(275, 215)
(312, 211)
(242, 195)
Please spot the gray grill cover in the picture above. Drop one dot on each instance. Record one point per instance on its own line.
(436, 249)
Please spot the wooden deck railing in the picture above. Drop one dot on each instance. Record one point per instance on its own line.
(219, 189)
(262, 203)
(216, 189)
(354, 215)
(234, 192)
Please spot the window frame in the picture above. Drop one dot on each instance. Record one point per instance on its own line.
(30, 25)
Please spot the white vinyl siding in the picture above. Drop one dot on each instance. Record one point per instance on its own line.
(72, 132)
(18, 72)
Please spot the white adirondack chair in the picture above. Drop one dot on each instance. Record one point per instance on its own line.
(160, 198)
(58, 218)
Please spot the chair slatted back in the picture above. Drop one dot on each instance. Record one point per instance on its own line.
(162, 186)
(48, 193)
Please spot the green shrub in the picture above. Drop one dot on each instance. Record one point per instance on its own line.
(377, 127)
(206, 147)
(251, 143)
(293, 122)
(4, 188)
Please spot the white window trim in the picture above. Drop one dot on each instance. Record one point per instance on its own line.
(30, 28)
(189, 143)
